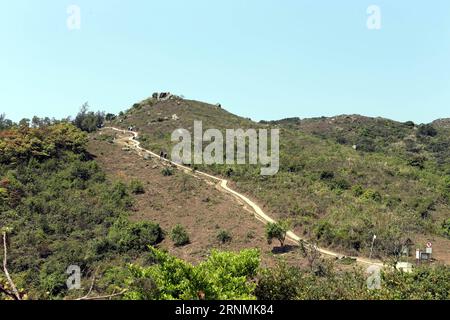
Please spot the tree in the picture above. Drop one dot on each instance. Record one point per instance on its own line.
(87, 120)
(24, 123)
(110, 117)
(277, 231)
(36, 122)
(5, 123)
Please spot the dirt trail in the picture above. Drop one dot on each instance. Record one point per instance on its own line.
(259, 213)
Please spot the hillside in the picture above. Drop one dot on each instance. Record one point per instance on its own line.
(140, 229)
(419, 144)
(330, 192)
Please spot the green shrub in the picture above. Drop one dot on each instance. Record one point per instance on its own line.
(167, 172)
(417, 161)
(323, 231)
(410, 124)
(224, 236)
(137, 187)
(372, 195)
(223, 276)
(357, 191)
(340, 184)
(179, 236)
(446, 189)
(135, 236)
(326, 175)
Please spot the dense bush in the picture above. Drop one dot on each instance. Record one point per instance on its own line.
(223, 276)
(179, 235)
(278, 283)
(224, 236)
(136, 236)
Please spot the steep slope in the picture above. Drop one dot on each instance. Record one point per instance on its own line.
(330, 192)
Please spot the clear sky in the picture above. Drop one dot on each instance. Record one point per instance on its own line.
(259, 58)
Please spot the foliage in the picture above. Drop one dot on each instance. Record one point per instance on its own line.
(277, 231)
(19, 145)
(110, 117)
(167, 172)
(61, 209)
(179, 235)
(446, 228)
(88, 121)
(137, 187)
(126, 236)
(223, 276)
(427, 130)
(5, 123)
(278, 283)
(224, 236)
(293, 283)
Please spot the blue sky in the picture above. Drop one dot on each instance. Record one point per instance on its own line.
(259, 58)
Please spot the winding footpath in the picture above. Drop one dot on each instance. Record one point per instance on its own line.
(259, 213)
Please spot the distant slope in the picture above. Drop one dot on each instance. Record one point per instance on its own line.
(415, 143)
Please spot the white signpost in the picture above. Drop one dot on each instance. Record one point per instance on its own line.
(429, 248)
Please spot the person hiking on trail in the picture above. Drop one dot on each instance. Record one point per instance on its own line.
(161, 155)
